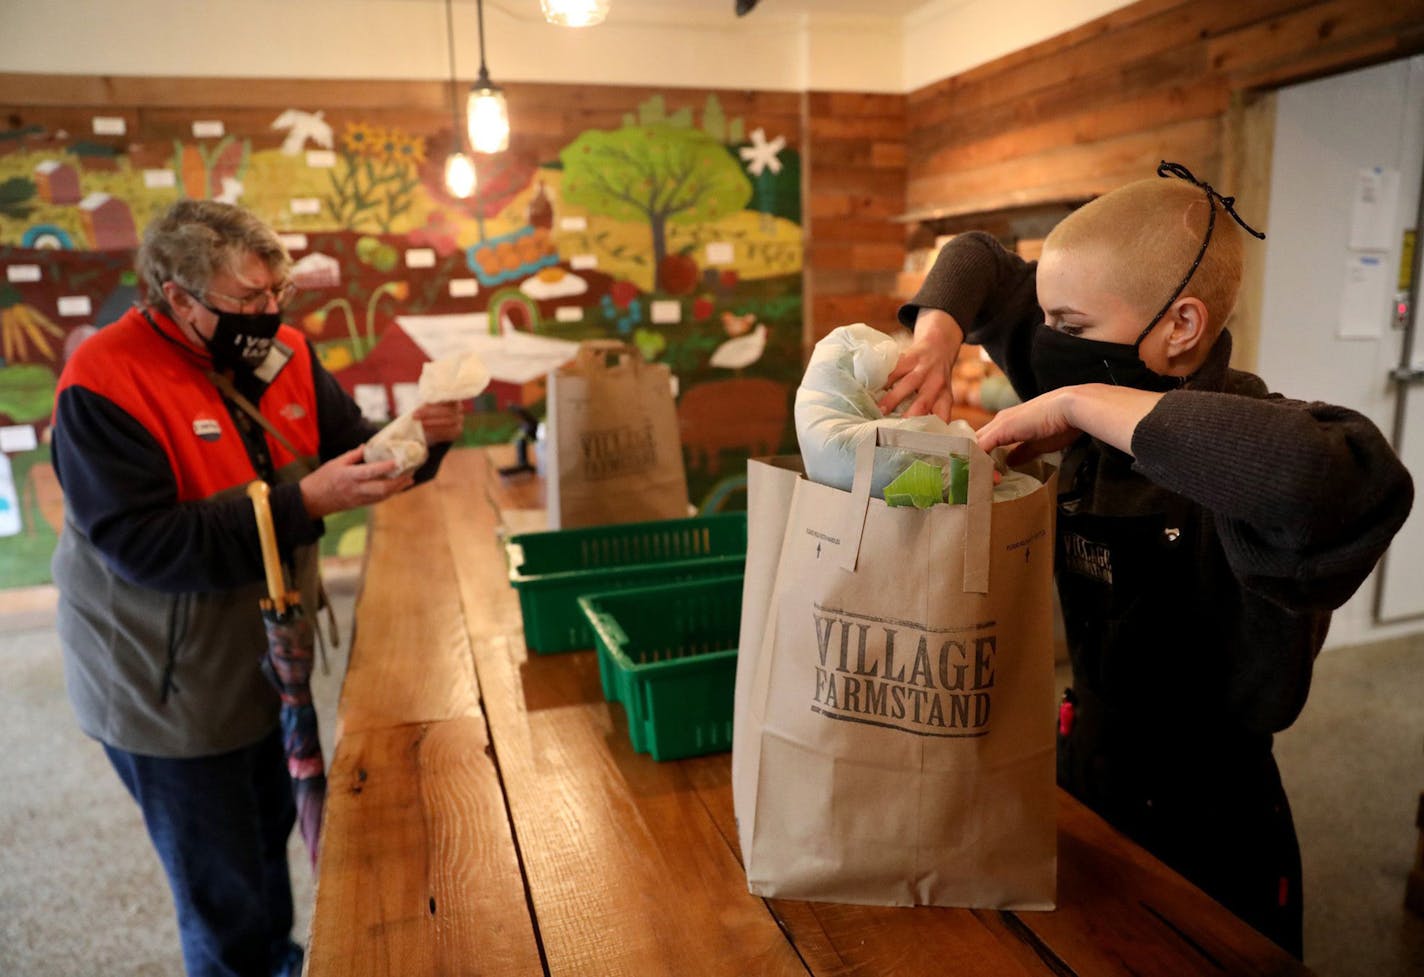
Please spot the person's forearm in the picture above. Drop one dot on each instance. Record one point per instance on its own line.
(1110, 414)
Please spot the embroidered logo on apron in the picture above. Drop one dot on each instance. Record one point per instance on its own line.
(1087, 558)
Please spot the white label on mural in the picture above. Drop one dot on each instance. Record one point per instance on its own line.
(720, 253)
(293, 242)
(23, 273)
(321, 159)
(18, 437)
(420, 258)
(463, 288)
(579, 262)
(573, 223)
(73, 305)
(208, 129)
(407, 397)
(110, 125)
(569, 313)
(666, 311)
(159, 179)
(306, 205)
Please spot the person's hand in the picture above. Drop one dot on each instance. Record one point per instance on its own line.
(1037, 426)
(442, 421)
(1054, 420)
(923, 371)
(347, 482)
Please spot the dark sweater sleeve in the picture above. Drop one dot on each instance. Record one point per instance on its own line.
(992, 293)
(1307, 496)
(119, 492)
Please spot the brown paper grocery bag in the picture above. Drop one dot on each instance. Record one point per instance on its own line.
(614, 446)
(896, 718)
(771, 482)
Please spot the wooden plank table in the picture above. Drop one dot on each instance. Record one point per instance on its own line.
(487, 815)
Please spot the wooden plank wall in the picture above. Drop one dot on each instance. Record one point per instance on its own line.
(1098, 106)
(855, 161)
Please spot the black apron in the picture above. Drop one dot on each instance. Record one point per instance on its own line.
(1150, 745)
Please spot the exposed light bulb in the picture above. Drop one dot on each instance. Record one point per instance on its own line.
(575, 13)
(487, 119)
(459, 175)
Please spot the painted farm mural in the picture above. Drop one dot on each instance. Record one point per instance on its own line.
(678, 231)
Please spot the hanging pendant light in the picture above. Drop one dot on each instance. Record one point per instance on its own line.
(459, 168)
(486, 114)
(575, 13)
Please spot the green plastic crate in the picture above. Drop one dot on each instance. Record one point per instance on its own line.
(669, 654)
(552, 569)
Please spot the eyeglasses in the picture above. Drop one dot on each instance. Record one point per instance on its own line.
(258, 299)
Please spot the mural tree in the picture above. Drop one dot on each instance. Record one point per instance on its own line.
(657, 173)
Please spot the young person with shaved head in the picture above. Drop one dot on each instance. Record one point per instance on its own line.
(1207, 528)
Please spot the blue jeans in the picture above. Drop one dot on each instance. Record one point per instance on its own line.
(220, 826)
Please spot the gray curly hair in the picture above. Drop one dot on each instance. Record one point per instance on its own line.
(196, 239)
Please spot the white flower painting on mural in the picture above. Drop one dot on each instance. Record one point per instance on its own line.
(762, 155)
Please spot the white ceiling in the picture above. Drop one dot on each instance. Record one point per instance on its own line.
(703, 10)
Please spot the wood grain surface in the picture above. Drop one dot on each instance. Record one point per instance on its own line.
(437, 829)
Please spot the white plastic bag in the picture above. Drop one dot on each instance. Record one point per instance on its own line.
(836, 409)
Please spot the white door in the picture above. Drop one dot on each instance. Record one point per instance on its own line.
(1347, 166)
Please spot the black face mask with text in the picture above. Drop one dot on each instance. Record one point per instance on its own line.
(241, 340)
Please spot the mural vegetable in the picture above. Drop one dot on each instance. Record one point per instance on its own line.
(22, 326)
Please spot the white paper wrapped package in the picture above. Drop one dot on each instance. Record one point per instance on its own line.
(452, 378)
(837, 411)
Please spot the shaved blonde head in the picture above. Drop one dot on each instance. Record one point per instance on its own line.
(1144, 237)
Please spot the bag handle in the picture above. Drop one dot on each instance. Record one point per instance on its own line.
(978, 509)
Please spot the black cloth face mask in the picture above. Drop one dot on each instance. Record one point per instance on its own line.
(241, 340)
(1059, 360)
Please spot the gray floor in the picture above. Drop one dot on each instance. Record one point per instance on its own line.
(81, 893)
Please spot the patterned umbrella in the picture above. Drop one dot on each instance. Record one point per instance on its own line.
(287, 663)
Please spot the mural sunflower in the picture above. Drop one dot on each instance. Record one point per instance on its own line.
(360, 139)
(375, 184)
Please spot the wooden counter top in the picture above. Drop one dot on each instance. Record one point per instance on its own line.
(487, 815)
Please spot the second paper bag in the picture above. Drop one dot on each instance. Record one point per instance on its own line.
(614, 446)
(896, 728)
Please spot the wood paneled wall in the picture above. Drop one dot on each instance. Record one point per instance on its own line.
(855, 158)
(1098, 106)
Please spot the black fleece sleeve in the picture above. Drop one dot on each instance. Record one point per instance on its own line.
(120, 493)
(992, 293)
(1307, 496)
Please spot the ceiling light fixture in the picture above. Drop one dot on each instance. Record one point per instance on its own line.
(459, 168)
(486, 114)
(575, 13)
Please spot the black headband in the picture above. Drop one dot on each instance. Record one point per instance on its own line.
(1228, 204)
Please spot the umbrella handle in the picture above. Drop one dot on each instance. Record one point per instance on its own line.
(258, 491)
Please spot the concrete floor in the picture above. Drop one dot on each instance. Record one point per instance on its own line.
(82, 894)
